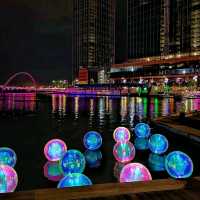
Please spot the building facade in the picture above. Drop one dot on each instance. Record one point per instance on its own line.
(163, 41)
(93, 36)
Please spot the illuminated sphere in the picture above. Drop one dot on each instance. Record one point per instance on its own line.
(124, 152)
(158, 143)
(93, 158)
(141, 143)
(74, 180)
(73, 161)
(156, 162)
(121, 134)
(178, 165)
(142, 130)
(52, 171)
(7, 157)
(55, 149)
(134, 172)
(8, 179)
(92, 140)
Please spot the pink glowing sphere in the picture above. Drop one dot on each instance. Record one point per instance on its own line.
(8, 179)
(124, 152)
(55, 149)
(121, 134)
(134, 172)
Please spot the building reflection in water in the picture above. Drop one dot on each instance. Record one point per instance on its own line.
(18, 102)
(111, 110)
(59, 102)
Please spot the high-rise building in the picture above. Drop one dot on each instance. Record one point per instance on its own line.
(121, 31)
(93, 36)
(144, 18)
(163, 40)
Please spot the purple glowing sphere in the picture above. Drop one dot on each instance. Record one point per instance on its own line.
(134, 172)
(55, 149)
(8, 179)
(121, 134)
(124, 152)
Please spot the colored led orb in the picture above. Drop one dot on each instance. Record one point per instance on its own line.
(121, 134)
(92, 140)
(141, 143)
(55, 149)
(7, 157)
(118, 168)
(93, 158)
(142, 130)
(74, 180)
(156, 162)
(134, 172)
(178, 165)
(124, 152)
(158, 143)
(73, 161)
(8, 179)
(52, 171)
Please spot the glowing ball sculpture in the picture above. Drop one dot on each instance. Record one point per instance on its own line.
(156, 162)
(52, 171)
(55, 149)
(92, 140)
(93, 158)
(8, 179)
(178, 165)
(121, 134)
(142, 130)
(73, 161)
(141, 143)
(74, 180)
(7, 157)
(124, 152)
(158, 143)
(134, 172)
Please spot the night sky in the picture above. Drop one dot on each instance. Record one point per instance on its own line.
(36, 37)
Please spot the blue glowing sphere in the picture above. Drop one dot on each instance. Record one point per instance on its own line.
(55, 149)
(156, 162)
(178, 165)
(8, 179)
(73, 161)
(74, 180)
(124, 152)
(92, 140)
(158, 143)
(141, 143)
(52, 171)
(142, 130)
(93, 158)
(121, 134)
(7, 157)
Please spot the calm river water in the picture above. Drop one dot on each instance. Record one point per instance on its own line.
(28, 121)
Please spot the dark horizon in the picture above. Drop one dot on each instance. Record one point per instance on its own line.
(36, 37)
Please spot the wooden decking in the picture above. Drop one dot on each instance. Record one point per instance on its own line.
(153, 190)
(175, 126)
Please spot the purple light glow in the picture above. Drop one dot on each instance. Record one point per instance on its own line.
(124, 152)
(55, 149)
(134, 172)
(121, 134)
